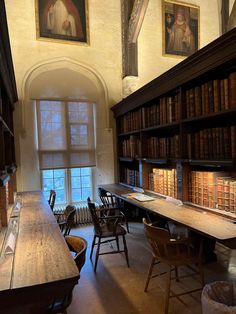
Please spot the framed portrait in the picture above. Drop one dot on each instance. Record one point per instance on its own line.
(62, 21)
(180, 28)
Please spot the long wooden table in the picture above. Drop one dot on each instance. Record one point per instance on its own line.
(41, 267)
(204, 222)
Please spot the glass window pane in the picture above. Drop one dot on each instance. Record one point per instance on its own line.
(59, 183)
(86, 182)
(85, 171)
(47, 184)
(87, 192)
(60, 198)
(76, 195)
(59, 173)
(75, 182)
(75, 172)
(47, 173)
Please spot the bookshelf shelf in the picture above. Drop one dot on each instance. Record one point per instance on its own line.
(128, 159)
(210, 117)
(173, 125)
(129, 133)
(156, 161)
(207, 163)
(183, 124)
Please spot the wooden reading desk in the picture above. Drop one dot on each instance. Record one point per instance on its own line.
(204, 222)
(40, 268)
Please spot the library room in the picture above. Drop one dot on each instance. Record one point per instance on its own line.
(118, 156)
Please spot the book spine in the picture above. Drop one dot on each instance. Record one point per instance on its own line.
(232, 90)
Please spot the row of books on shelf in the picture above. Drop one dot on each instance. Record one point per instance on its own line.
(213, 143)
(212, 96)
(216, 190)
(130, 177)
(213, 190)
(167, 111)
(130, 121)
(163, 181)
(163, 147)
(131, 147)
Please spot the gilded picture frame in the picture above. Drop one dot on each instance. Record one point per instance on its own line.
(64, 21)
(181, 31)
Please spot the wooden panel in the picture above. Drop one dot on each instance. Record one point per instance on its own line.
(28, 198)
(37, 213)
(41, 256)
(209, 224)
(41, 268)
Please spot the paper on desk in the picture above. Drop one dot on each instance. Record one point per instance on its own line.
(10, 245)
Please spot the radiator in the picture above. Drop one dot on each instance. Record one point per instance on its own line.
(82, 212)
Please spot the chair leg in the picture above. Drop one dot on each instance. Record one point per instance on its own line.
(201, 274)
(127, 225)
(167, 294)
(93, 244)
(97, 254)
(117, 243)
(126, 251)
(149, 274)
(176, 274)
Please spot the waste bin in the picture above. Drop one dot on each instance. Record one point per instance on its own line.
(218, 298)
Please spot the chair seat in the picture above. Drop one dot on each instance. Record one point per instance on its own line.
(108, 230)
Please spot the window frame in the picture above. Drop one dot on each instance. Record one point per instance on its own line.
(68, 186)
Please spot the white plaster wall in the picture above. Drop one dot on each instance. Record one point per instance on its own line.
(151, 61)
(103, 56)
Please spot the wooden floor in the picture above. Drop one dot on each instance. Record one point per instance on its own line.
(117, 289)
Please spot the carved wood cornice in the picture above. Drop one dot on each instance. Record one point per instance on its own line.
(136, 19)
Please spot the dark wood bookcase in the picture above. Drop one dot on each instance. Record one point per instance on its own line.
(8, 97)
(183, 124)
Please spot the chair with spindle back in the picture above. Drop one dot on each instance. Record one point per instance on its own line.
(112, 204)
(66, 219)
(174, 253)
(107, 229)
(52, 199)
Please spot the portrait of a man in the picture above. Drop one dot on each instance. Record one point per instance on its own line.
(181, 28)
(62, 20)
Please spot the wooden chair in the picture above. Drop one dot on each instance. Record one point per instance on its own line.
(113, 205)
(108, 228)
(78, 246)
(174, 253)
(52, 199)
(66, 219)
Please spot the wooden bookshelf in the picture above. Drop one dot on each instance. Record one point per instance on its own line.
(8, 97)
(182, 123)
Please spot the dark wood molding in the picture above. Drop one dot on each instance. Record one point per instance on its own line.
(209, 59)
(129, 50)
(232, 17)
(6, 66)
(136, 19)
(224, 15)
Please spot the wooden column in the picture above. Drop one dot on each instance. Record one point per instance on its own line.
(11, 189)
(3, 206)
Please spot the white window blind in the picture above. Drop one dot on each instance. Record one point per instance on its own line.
(65, 134)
